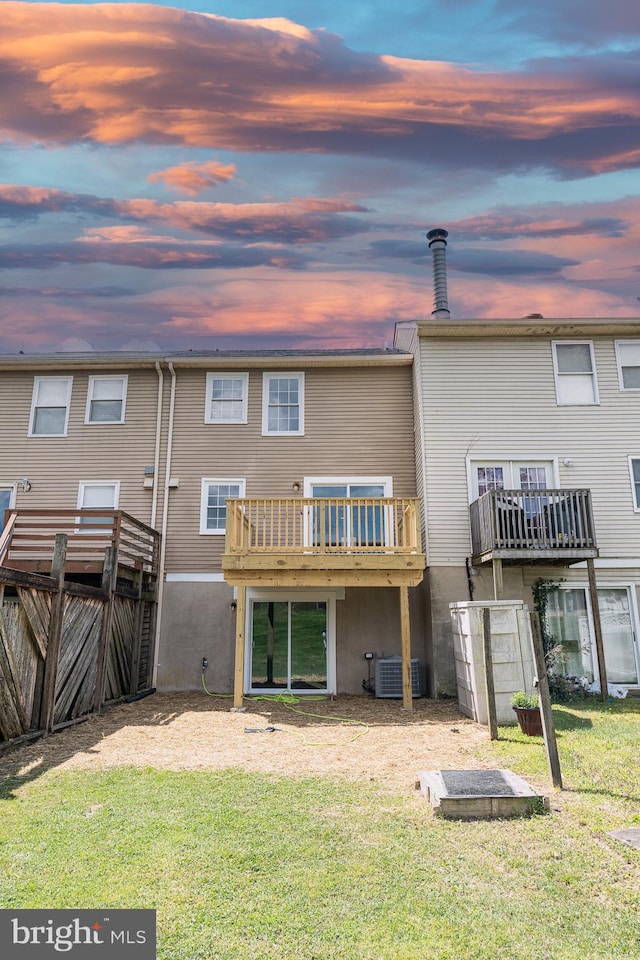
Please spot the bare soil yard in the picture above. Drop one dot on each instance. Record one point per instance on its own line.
(195, 732)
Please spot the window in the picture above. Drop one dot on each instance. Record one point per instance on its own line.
(94, 494)
(498, 474)
(7, 500)
(213, 503)
(628, 357)
(634, 467)
(283, 404)
(106, 399)
(575, 373)
(50, 406)
(363, 523)
(226, 400)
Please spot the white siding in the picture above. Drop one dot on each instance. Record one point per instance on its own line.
(496, 397)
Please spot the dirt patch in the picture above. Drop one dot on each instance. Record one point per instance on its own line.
(191, 731)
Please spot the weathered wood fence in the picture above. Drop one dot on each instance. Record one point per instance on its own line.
(67, 648)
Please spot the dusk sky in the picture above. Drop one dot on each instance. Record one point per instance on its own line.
(262, 173)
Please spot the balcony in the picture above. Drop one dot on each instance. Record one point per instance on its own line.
(319, 542)
(533, 526)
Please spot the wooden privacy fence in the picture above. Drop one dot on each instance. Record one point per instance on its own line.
(66, 648)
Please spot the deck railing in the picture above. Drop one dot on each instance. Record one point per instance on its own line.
(371, 525)
(29, 537)
(551, 520)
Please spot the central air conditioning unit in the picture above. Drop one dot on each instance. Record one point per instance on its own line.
(389, 677)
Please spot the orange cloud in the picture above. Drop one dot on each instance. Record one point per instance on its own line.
(114, 73)
(194, 178)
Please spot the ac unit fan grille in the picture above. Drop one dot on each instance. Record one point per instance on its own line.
(389, 677)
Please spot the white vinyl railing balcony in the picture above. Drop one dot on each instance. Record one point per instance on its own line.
(341, 525)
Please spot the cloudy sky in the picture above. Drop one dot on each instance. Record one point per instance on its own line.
(262, 173)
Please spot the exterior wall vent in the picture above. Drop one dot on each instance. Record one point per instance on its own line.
(389, 678)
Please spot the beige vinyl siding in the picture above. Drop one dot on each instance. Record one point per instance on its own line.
(496, 397)
(358, 422)
(56, 465)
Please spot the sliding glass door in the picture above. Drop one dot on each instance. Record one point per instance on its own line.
(289, 644)
(571, 623)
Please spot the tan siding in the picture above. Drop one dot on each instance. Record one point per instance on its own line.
(488, 397)
(56, 465)
(357, 422)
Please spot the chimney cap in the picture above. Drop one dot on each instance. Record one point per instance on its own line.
(438, 233)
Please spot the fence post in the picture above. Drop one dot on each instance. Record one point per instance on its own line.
(47, 707)
(544, 696)
(109, 572)
(137, 638)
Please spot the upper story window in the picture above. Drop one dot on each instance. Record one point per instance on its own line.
(106, 397)
(283, 404)
(50, 406)
(213, 502)
(226, 400)
(498, 474)
(628, 357)
(575, 372)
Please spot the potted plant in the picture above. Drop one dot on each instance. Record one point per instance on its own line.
(527, 708)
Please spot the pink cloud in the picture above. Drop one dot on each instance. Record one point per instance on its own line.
(194, 178)
(115, 73)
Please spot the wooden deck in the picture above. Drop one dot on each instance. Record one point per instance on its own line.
(303, 541)
(28, 540)
(533, 526)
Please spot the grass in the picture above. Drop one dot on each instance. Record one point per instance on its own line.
(253, 866)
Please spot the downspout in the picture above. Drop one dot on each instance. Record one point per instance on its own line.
(165, 523)
(156, 459)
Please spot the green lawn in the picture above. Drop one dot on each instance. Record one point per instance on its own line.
(254, 866)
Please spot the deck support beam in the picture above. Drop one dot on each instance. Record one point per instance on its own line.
(498, 586)
(597, 629)
(405, 637)
(238, 677)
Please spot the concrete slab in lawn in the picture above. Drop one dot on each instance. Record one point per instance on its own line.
(630, 836)
(480, 794)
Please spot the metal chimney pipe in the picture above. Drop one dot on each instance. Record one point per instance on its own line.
(438, 245)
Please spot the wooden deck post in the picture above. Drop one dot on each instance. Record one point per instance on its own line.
(238, 681)
(498, 587)
(597, 629)
(405, 637)
(109, 572)
(47, 708)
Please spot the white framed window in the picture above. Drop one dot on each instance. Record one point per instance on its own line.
(226, 398)
(106, 399)
(213, 501)
(634, 470)
(503, 474)
(574, 368)
(93, 495)
(349, 524)
(50, 406)
(628, 360)
(7, 499)
(283, 404)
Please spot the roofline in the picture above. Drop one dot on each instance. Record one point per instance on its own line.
(211, 361)
(531, 327)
